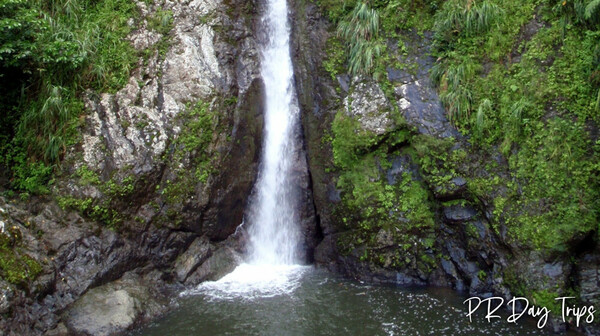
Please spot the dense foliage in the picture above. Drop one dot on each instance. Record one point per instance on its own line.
(50, 51)
(527, 82)
(517, 77)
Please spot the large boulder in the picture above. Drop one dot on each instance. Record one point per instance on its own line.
(114, 307)
(367, 104)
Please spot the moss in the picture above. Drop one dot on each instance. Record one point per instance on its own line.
(529, 93)
(87, 176)
(104, 209)
(439, 162)
(192, 143)
(370, 205)
(335, 56)
(98, 210)
(482, 275)
(471, 231)
(349, 141)
(16, 267)
(547, 298)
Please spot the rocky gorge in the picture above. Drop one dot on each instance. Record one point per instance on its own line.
(150, 200)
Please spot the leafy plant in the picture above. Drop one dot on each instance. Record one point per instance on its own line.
(49, 53)
(460, 17)
(592, 9)
(360, 32)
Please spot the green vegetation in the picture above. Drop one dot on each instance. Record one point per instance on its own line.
(521, 81)
(16, 267)
(531, 93)
(97, 210)
(104, 209)
(522, 77)
(199, 126)
(539, 297)
(439, 163)
(360, 30)
(363, 27)
(371, 205)
(50, 52)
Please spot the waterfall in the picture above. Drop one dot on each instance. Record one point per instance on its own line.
(272, 221)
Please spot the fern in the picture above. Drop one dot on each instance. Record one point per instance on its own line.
(592, 9)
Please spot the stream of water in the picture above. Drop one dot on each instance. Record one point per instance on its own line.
(271, 264)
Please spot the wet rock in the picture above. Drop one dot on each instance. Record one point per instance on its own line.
(194, 256)
(344, 81)
(59, 233)
(60, 330)
(91, 261)
(416, 97)
(7, 294)
(455, 189)
(421, 108)
(458, 255)
(589, 278)
(402, 165)
(326, 253)
(482, 229)
(458, 213)
(384, 238)
(450, 270)
(404, 280)
(164, 246)
(232, 189)
(537, 273)
(221, 262)
(333, 194)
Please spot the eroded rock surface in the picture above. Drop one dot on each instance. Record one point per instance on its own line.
(151, 196)
(108, 309)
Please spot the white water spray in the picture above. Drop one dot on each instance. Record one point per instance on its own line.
(273, 223)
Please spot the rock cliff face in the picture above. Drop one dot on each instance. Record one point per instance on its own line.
(412, 152)
(150, 200)
(153, 193)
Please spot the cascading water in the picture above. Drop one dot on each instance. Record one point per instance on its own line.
(273, 222)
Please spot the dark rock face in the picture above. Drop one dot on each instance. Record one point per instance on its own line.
(173, 211)
(471, 254)
(234, 185)
(95, 270)
(589, 278)
(417, 99)
(458, 214)
(316, 98)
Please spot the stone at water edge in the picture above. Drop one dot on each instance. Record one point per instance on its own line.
(112, 308)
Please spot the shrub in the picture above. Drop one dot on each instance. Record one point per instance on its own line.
(50, 51)
(360, 31)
